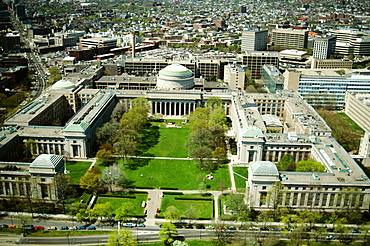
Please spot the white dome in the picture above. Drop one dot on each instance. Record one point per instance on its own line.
(175, 77)
(63, 85)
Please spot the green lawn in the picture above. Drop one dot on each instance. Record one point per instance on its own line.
(77, 169)
(180, 174)
(239, 181)
(204, 208)
(351, 123)
(172, 141)
(117, 201)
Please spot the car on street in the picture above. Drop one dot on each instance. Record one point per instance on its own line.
(12, 226)
(64, 228)
(231, 228)
(39, 228)
(91, 228)
(330, 230)
(209, 227)
(3, 226)
(131, 225)
(220, 227)
(178, 238)
(329, 237)
(28, 227)
(356, 231)
(179, 226)
(140, 225)
(81, 228)
(275, 229)
(200, 226)
(52, 228)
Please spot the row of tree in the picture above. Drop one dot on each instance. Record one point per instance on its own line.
(207, 134)
(122, 134)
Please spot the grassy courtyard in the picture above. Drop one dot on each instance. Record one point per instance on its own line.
(77, 169)
(203, 208)
(174, 174)
(117, 202)
(239, 181)
(172, 141)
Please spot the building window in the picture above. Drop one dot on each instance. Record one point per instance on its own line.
(264, 187)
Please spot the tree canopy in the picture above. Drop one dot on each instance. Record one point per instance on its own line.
(310, 166)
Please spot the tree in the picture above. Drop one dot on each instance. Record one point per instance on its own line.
(55, 74)
(179, 243)
(236, 203)
(191, 213)
(141, 102)
(112, 176)
(105, 156)
(102, 210)
(106, 133)
(285, 161)
(91, 180)
(63, 187)
(30, 148)
(124, 238)
(122, 213)
(172, 214)
(167, 233)
(217, 117)
(274, 195)
(201, 153)
(220, 154)
(310, 166)
(214, 103)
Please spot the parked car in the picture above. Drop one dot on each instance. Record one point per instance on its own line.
(179, 238)
(242, 228)
(64, 228)
(3, 226)
(81, 228)
(28, 227)
(330, 237)
(73, 228)
(275, 229)
(39, 228)
(189, 227)
(91, 228)
(209, 227)
(264, 229)
(131, 225)
(220, 227)
(356, 231)
(330, 230)
(179, 226)
(12, 226)
(200, 226)
(52, 228)
(140, 225)
(231, 228)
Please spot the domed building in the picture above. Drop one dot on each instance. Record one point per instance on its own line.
(175, 77)
(63, 85)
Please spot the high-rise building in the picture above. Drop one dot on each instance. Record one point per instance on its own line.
(254, 60)
(351, 42)
(255, 40)
(234, 75)
(290, 38)
(324, 47)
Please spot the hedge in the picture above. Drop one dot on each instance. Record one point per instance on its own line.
(194, 199)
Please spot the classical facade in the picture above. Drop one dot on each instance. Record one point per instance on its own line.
(31, 180)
